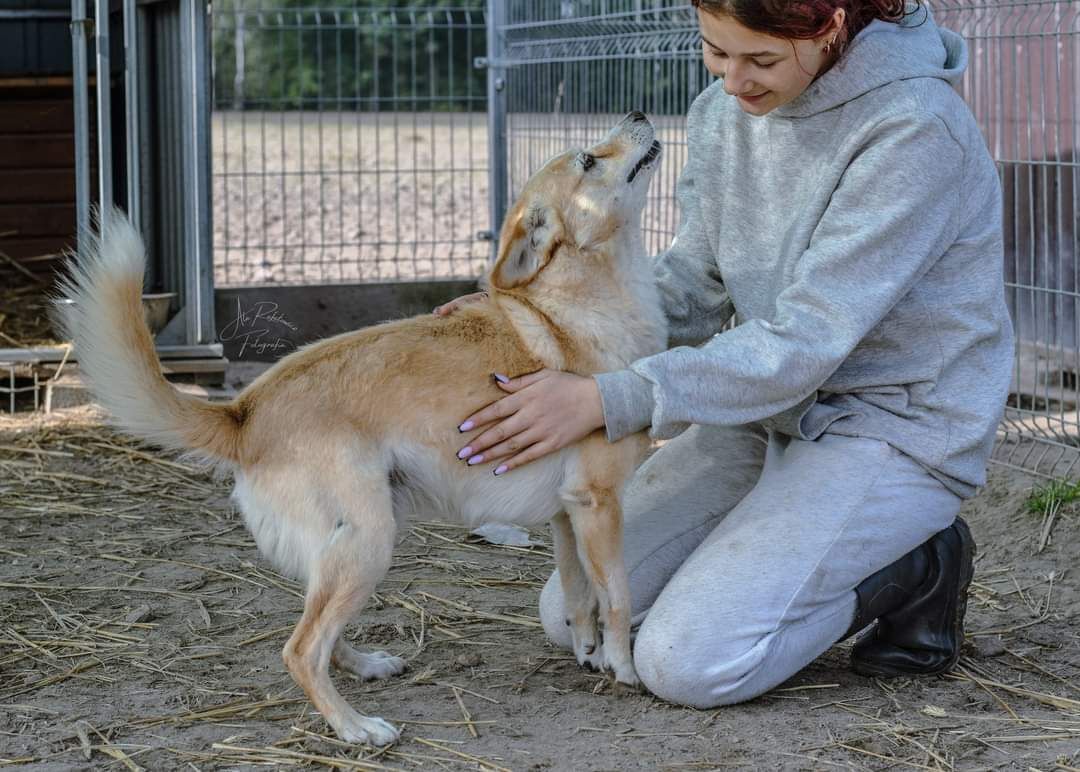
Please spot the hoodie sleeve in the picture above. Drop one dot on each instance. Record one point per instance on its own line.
(894, 213)
(693, 295)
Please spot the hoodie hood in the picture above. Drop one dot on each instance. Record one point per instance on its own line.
(882, 53)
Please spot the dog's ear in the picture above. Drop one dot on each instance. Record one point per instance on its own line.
(532, 242)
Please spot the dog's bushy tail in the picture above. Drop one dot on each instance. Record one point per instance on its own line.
(103, 317)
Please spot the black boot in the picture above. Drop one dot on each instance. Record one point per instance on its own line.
(919, 603)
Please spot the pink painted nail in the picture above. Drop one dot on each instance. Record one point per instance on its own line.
(475, 460)
(465, 426)
(501, 469)
(464, 452)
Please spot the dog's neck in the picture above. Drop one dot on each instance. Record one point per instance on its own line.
(623, 322)
(545, 338)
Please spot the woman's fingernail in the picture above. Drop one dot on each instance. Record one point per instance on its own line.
(475, 460)
(465, 426)
(501, 469)
(500, 378)
(464, 452)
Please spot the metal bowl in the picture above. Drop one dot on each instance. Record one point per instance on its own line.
(155, 309)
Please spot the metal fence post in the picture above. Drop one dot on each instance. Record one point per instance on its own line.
(79, 23)
(199, 261)
(132, 139)
(203, 149)
(496, 108)
(103, 72)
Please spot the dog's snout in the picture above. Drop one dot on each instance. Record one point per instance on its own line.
(634, 122)
(636, 127)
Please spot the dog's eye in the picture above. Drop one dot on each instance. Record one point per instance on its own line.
(588, 161)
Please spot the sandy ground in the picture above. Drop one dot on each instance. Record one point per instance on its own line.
(139, 628)
(311, 198)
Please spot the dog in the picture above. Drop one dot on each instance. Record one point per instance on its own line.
(339, 441)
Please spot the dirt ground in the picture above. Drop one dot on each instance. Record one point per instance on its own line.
(139, 628)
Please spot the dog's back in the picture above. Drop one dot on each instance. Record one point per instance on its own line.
(404, 377)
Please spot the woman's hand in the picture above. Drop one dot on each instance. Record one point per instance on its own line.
(448, 308)
(546, 411)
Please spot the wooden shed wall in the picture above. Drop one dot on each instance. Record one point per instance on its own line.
(37, 165)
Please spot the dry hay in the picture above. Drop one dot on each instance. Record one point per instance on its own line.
(23, 319)
(139, 629)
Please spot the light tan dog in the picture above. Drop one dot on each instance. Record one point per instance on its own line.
(338, 439)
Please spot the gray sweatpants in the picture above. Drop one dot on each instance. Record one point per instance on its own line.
(744, 549)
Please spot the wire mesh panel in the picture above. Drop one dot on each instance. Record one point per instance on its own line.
(573, 66)
(349, 143)
(1023, 84)
(576, 66)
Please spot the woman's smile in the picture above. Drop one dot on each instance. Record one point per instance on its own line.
(762, 71)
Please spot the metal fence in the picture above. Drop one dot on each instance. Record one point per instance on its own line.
(570, 66)
(1023, 84)
(349, 144)
(345, 179)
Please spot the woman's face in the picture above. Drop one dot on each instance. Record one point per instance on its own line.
(761, 70)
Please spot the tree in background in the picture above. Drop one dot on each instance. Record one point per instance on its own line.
(380, 55)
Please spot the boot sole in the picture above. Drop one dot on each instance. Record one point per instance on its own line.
(968, 551)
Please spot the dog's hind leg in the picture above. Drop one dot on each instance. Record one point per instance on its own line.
(342, 577)
(366, 665)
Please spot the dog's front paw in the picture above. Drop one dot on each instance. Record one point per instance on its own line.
(619, 660)
(625, 674)
(594, 662)
(367, 730)
(589, 648)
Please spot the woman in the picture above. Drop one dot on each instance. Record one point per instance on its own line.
(840, 202)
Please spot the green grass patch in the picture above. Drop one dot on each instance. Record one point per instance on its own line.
(1053, 495)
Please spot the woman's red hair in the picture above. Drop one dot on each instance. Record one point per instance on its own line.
(805, 19)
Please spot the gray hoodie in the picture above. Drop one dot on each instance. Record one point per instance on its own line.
(855, 234)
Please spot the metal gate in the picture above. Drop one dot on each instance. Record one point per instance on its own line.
(563, 70)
